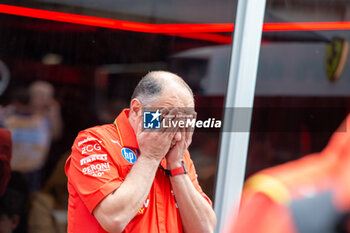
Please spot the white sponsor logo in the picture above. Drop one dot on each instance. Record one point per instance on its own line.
(91, 148)
(116, 141)
(93, 157)
(88, 140)
(96, 170)
(145, 205)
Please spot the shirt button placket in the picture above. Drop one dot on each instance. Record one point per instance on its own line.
(160, 205)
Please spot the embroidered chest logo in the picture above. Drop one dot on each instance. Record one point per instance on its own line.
(129, 155)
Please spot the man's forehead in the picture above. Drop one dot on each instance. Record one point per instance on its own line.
(176, 98)
(169, 103)
(189, 110)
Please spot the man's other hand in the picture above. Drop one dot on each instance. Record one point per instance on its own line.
(180, 143)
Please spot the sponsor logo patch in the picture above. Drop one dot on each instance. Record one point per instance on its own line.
(145, 205)
(172, 193)
(129, 155)
(88, 140)
(116, 141)
(96, 169)
(90, 148)
(94, 157)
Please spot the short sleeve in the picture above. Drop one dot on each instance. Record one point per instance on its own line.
(91, 170)
(191, 172)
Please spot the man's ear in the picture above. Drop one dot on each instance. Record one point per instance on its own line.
(135, 108)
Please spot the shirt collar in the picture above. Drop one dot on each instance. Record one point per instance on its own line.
(126, 132)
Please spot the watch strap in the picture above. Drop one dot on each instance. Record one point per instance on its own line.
(177, 171)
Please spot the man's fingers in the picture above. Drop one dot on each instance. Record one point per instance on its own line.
(174, 120)
(190, 130)
(188, 136)
(169, 120)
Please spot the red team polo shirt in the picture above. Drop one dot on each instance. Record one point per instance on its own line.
(101, 158)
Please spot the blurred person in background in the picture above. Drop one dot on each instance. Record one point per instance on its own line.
(34, 119)
(9, 214)
(43, 103)
(13, 205)
(308, 195)
(48, 207)
(13, 190)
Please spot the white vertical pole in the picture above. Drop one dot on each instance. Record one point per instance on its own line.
(240, 94)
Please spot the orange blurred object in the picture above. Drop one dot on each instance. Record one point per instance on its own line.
(311, 194)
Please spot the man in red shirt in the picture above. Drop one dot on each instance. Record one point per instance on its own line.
(122, 178)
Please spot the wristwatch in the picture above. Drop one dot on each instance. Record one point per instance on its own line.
(177, 171)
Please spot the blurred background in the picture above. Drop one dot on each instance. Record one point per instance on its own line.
(69, 65)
